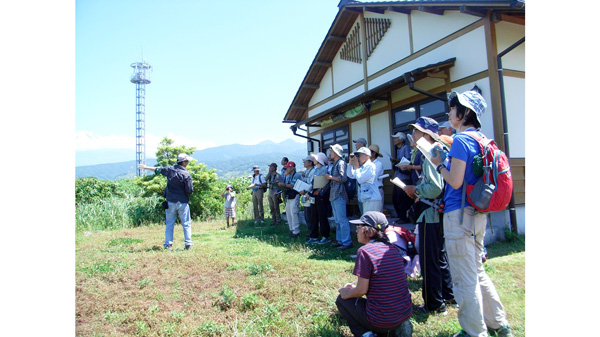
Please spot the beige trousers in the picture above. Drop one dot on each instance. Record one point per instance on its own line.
(479, 304)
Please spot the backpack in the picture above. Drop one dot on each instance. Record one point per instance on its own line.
(407, 236)
(493, 191)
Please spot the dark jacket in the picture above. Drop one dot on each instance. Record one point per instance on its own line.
(179, 183)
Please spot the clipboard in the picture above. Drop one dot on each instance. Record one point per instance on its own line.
(396, 181)
(301, 186)
(320, 182)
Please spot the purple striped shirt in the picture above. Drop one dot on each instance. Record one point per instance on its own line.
(388, 297)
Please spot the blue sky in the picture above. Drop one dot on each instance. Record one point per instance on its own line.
(225, 72)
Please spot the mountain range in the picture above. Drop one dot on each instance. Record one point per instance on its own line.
(228, 160)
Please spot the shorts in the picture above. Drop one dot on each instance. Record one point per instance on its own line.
(229, 212)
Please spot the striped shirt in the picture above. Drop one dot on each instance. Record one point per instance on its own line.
(388, 297)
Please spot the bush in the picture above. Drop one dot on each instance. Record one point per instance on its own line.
(93, 190)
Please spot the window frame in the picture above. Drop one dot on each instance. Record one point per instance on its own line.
(403, 127)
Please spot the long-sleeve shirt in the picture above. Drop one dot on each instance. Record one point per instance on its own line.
(272, 180)
(337, 188)
(403, 152)
(179, 183)
(430, 186)
(366, 178)
(378, 171)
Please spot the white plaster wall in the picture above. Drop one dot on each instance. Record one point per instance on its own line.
(394, 45)
(506, 34)
(346, 73)
(487, 124)
(338, 100)
(325, 89)
(380, 135)
(514, 93)
(429, 28)
(468, 49)
(358, 129)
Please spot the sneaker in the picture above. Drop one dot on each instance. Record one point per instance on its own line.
(451, 303)
(324, 240)
(504, 331)
(188, 247)
(369, 334)
(342, 247)
(292, 235)
(168, 247)
(461, 333)
(353, 256)
(312, 240)
(336, 244)
(442, 310)
(404, 330)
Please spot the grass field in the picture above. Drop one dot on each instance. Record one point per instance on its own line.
(241, 281)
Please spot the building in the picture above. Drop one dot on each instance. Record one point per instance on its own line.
(383, 64)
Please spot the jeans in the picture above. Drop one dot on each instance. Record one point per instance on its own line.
(342, 226)
(479, 303)
(171, 213)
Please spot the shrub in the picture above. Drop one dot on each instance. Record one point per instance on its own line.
(93, 190)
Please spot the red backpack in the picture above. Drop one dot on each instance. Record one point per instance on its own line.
(493, 191)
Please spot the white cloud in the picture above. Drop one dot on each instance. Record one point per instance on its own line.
(87, 140)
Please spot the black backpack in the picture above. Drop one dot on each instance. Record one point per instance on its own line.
(350, 186)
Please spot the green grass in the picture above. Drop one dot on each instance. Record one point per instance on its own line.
(242, 281)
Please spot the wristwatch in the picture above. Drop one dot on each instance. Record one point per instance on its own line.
(439, 168)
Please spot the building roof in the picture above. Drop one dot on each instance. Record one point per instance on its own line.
(348, 13)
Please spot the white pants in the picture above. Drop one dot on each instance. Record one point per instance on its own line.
(479, 304)
(292, 211)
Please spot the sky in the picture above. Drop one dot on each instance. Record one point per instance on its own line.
(224, 72)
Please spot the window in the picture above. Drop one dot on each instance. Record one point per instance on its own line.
(428, 107)
(336, 136)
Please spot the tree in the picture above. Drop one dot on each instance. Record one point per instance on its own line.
(205, 201)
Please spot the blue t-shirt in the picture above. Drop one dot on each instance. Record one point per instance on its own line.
(464, 148)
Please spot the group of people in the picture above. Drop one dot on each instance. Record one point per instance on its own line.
(450, 237)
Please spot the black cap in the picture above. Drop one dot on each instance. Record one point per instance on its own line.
(373, 219)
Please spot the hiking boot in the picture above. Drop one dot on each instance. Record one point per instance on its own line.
(404, 330)
(312, 240)
(188, 247)
(342, 247)
(324, 240)
(292, 235)
(336, 244)
(168, 247)
(504, 331)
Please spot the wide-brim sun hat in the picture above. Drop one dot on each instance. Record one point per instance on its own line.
(426, 125)
(322, 158)
(474, 101)
(375, 148)
(337, 148)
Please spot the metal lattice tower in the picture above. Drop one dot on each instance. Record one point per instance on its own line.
(141, 77)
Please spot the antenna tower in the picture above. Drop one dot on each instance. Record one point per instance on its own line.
(141, 77)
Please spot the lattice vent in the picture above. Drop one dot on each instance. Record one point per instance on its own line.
(375, 29)
(351, 49)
